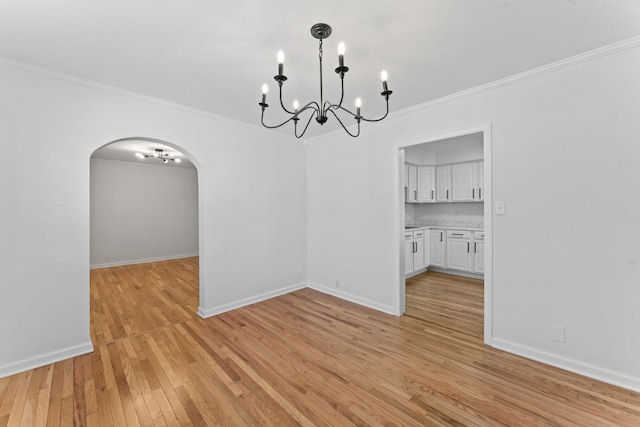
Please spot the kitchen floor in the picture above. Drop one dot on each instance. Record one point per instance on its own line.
(448, 301)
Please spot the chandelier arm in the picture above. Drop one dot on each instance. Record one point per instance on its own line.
(381, 118)
(366, 120)
(305, 128)
(341, 90)
(343, 126)
(275, 126)
(309, 106)
(281, 103)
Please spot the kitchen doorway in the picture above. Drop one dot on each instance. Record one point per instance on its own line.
(445, 210)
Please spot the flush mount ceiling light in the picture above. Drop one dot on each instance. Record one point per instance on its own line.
(320, 109)
(160, 155)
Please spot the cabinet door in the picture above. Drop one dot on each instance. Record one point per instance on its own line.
(443, 183)
(412, 187)
(480, 181)
(418, 255)
(459, 254)
(408, 256)
(406, 175)
(437, 238)
(426, 184)
(478, 248)
(427, 249)
(463, 182)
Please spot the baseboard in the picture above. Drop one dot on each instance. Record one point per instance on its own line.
(204, 313)
(142, 261)
(602, 374)
(354, 299)
(45, 359)
(456, 273)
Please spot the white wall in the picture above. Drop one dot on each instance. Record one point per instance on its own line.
(252, 218)
(566, 161)
(142, 212)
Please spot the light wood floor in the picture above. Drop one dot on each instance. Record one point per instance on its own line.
(300, 359)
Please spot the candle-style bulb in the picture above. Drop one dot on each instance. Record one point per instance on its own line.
(265, 89)
(384, 76)
(358, 105)
(341, 49)
(280, 57)
(295, 105)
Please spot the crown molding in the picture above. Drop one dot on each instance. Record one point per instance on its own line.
(562, 64)
(126, 93)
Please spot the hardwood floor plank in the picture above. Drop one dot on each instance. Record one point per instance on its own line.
(304, 358)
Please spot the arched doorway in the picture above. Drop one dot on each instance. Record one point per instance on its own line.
(144, 237)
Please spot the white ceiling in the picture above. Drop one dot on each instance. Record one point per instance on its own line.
(215, 55)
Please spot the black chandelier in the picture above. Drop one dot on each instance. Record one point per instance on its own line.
(160, 155)
(320, 110)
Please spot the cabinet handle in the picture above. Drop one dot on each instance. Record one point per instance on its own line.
(475, 247)
(479, 193)
(473, 193)
(431, 194)
(457, 234)
(467, 246)
(415, 247)
(447, 194)
(415, 195)
(441, 236)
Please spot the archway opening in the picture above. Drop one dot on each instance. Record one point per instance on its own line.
(144, 237)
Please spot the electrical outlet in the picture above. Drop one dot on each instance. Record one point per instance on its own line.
(558, 333)
(501, 208)
(346, 286)
(337, 284)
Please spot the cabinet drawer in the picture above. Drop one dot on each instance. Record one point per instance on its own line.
(459, 234)
(478, 235)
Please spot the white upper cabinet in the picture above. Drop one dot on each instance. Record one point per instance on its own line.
(458, 182)
(412, 184)
(464, 182)
(468, 182)
(426, 184)
(443, 183)
(480, 180)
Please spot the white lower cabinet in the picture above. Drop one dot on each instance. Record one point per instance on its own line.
(459, 250)
(478, 252)
(415, 251)
(408, 252)
(438, 244)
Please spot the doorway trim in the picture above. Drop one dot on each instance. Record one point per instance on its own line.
(488, 219)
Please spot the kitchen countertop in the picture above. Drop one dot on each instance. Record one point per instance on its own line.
(446, 226)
